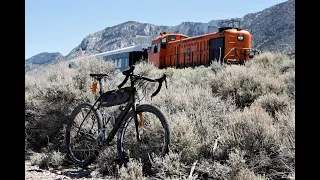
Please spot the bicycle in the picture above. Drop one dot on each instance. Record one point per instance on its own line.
(86, 137)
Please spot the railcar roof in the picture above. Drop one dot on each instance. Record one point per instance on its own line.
(138, 47)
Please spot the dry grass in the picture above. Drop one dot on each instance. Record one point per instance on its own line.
(45, 160)
(229, 121)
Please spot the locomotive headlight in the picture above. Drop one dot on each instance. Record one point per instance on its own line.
(240, 37)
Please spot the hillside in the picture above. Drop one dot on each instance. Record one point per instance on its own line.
(272, 29)
(41, 59)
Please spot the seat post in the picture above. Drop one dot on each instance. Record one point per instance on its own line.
(100, 85)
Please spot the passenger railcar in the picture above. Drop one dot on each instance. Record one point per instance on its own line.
(123, 58)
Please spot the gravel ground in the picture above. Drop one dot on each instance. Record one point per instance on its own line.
(35, 173)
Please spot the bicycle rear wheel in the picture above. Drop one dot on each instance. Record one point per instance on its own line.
(154, 130)
(81, 134)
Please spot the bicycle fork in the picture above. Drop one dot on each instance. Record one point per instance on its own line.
(136, 123)
(139, 122)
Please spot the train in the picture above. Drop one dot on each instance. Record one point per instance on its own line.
(229, 44)
(122, 58)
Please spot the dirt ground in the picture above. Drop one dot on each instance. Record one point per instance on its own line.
(76, 173)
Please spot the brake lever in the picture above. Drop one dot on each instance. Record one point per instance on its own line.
(163, 78)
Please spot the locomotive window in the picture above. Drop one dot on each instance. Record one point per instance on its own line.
(172, 38)
(154, 48)
(164, 43)
(182, 37)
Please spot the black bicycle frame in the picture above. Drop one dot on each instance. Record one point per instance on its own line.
(131, 103)
(120, 118)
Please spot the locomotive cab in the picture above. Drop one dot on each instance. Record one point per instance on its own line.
(161, 46)
(237, 42)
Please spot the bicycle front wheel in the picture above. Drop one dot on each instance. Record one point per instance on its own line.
(81, 134)
(154, 132)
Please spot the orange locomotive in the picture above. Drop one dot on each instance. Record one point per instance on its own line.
(229, 45)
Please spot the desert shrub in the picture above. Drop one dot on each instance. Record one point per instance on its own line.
(107, 161)
(51, 95)
(273, 103)
(133, 170)
(213, 169)
(239, 168)
(286, 66)
(82, 80)
(239, 83)
(45, 129)
(40, 159)
(286, 122)
(236, 161)
(244, 84)
(264, 141)
(251, 130)
(185, 139)
(268, 60)
(196, 118)
(45, 160)
(168, 166)
(216, 67)
(57, 159)
(288, 80)
(146, 68)
(255, 141)
(246, 174)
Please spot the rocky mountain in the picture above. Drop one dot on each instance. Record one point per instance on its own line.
(272, 29)
(41, 59)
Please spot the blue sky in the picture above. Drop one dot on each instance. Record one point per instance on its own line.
(61, 25)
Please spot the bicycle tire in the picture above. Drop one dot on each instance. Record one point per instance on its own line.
(74, 136)
(131, 135)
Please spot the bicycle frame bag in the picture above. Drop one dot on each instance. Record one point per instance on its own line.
(115, 97)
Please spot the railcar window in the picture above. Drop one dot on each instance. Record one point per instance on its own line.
(172, 38)
(119, 62)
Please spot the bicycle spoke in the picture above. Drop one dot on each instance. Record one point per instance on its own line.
(151, 133)
(83, 133)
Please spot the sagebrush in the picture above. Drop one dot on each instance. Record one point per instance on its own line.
(229, 121)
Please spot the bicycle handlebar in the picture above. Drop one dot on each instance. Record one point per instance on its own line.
(98, 75)
(129, 73)
(160, 80)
